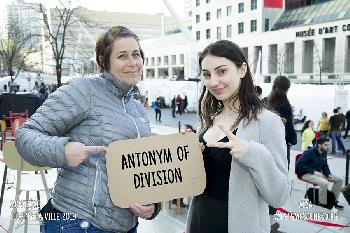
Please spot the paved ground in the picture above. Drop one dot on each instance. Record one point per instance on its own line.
(169, 222)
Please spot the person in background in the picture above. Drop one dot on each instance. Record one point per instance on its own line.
(313, 167)
(173, 107)
(278, 100)
(245, 152)
(307, 135)
(335, 126)
(158, 110)
(347, 117)
(323, 125)
(70, 132)
(185, 104)
(179, 103)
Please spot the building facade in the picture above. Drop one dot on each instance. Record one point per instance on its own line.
(306, 40)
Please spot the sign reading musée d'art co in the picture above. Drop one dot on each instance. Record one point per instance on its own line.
(154, 169)
(322, 30)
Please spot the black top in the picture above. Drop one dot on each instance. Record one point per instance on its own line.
(217, 164)
(286, 112)
(336, 122)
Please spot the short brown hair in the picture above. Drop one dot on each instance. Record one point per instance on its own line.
(105, 42)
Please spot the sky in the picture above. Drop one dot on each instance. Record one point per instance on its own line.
(131, 6)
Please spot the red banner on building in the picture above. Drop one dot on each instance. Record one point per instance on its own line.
(273, 3)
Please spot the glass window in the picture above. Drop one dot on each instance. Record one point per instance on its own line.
(218, 33)
(229, 31)
(173, 59)
(182, 59)
(198, 2)
(267, 25)
(152, 61)
(240, 28)
(190, 13)
(198, 35)
(146, 61)
(253, 25)
(208, 33)
(218, 13)
(240, 7)
(253, 4)
(198, 18)
(229, 10)
(166, 60)
(207, 16)
(207, 1)
(159, 61)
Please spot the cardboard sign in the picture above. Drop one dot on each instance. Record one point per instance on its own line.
(154, 169)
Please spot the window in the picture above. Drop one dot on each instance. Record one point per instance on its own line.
(198, 2)
(159, 61)
(289, 58)
(146, 62)
(240, 7)
(166, 60)
(207, 16)
(190, 13)
(208, 33)
(173, 59)
(308, 56)
(198, 35)
(152, 61)
(218, 13)
(253, 4)
(229, 10)
(207, 1)
(240, 28)
(198, 18)
(229, 31)
(253, 25)
(189, 28)
(267, 25)
(182, 59)
(218, 33)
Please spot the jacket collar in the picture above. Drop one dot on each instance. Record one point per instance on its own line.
(118, 87)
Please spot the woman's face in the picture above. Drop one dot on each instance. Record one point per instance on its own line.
(125, 61)
(221, 76)
(311, 124)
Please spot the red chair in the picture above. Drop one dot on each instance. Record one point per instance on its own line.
(10, 119)
(19, 114)
(297, 173)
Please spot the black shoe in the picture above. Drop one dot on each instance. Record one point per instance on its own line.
(339, 207)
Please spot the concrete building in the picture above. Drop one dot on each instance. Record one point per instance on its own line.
(80, 51)
(20, 21)
(302, 39)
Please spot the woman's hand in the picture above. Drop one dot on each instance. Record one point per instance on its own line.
(142, 211)
(201, 146)
(76, 152)
(236, 145)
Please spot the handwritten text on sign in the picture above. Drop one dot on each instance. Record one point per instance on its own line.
(154, 169)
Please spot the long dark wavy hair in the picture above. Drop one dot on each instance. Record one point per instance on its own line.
(209, 106)
(278, 95)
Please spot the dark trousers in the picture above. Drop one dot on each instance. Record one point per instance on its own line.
(158, 114)
(347, 128)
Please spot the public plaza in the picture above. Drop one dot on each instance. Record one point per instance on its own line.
(172, 222)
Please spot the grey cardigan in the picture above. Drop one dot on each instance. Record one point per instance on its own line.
(93, 111)
(259, 177)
